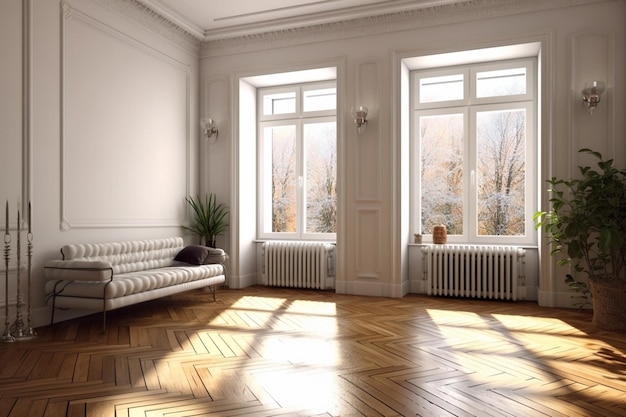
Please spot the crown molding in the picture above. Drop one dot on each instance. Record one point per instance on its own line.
(299, 31)
(153, 21)
(457, 12)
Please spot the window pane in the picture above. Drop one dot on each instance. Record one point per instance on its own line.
(441, 139)
(445, 88)
(283, 153)
(506, 82)
(501, 172)
(283, 103)
(323, 99)
(320, 148)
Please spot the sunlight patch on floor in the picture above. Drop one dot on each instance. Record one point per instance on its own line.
(308, 389)
(542, 324)
(313, 307)
(259, 303)
(295, 349)
(473, 338)
(543, 347)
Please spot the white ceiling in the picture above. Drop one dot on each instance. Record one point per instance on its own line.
(216, 19)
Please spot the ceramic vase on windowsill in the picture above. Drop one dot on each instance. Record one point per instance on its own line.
(440, 235)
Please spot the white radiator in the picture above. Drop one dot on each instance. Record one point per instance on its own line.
(476, 271)
(298, 264)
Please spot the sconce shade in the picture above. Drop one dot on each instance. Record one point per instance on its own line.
(359, 115)
(591, 94)
(209, 128)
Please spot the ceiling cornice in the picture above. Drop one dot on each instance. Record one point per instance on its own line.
(291, 32)
(140, 13)
(469, 10)
(327, 17)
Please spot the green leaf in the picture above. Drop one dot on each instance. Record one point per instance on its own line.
(606, 240)
(209, 217)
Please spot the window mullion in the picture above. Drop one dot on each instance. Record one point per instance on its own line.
(300, 212)
(472, 166)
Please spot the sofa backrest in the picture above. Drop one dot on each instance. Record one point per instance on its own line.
(130, 256)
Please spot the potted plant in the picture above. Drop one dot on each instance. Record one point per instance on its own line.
(587, 224)
(210, 218)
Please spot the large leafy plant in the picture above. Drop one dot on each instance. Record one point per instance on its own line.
(587, 222)
(210, 218)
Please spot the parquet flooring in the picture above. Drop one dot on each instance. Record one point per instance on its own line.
(281, 352)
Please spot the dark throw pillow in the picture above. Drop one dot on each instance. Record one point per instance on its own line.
(193, 254)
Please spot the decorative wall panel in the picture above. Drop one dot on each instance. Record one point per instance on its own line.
(368, 264)
(216, 105)
(592, 59)
(368, 142)
(125, 129)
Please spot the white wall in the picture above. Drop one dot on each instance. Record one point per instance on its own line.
(97, 150)
(373, 234)
(110, 147)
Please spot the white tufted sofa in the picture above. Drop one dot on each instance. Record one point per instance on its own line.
(107, 276)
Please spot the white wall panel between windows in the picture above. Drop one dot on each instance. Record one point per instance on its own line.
(368, 144)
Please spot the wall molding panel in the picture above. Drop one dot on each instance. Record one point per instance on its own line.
(216, 105)
(125, 140)
(368, 143)
(593, 57)
(368, 241)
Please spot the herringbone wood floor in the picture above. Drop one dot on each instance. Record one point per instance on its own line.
(268, 352)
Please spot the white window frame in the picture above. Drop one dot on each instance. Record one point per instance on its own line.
(469, 107)
(299, 119)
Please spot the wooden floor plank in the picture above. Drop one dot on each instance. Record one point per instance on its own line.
(56, 409)
(271, 352)
(6, 404)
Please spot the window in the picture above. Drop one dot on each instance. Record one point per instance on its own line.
(298, 161)
(474, 151)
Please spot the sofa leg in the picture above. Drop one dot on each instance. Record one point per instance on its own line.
(53, 309)
(54, 301)
(104, 305)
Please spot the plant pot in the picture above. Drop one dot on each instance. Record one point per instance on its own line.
(609, 305)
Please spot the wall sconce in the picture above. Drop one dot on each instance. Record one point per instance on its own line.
(209, 128)
(591, 94)
(360, 118)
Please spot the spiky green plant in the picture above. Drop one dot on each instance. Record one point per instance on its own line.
(210, 218)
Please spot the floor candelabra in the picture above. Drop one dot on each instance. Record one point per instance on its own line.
(7, 336)
(18, 330)
(29, 331)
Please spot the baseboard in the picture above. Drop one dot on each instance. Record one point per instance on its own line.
(371, 288)
(242, 281)
(561, 299)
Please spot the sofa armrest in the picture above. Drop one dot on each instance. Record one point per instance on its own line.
(71, 270)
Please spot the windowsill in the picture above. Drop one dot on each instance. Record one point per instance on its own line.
(294, 240)
(525, 246)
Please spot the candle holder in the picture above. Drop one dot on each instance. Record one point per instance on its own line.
(7, 337)
(17, 329)
(29, 332)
